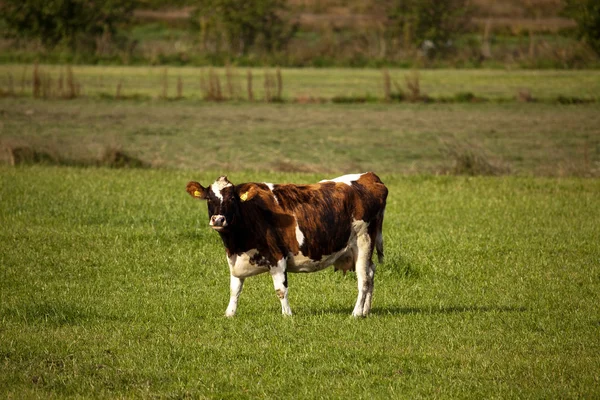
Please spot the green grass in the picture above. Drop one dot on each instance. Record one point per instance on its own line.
(112, 285)
(529, 138)
(320, 83)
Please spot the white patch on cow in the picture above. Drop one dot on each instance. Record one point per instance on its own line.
(301, 263)
(299, 234)
(271, 187)
(347, 179)
(241, 267)
(219, 185)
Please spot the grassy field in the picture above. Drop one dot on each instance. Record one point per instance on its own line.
(524, 139)
(112, 285)
(149, 82)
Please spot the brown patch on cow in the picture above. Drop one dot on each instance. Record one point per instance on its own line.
(260, 260)
(324, 214)
(280, 293)
(196, 190)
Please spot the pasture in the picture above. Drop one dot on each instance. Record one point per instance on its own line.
(112, 286)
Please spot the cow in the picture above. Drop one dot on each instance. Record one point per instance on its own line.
(281, 228)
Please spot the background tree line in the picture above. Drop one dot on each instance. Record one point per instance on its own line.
(236, 28)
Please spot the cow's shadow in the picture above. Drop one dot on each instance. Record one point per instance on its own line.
(396, 310)
(422, 310)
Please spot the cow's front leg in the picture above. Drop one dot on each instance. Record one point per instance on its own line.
(235, 286)
(279, 275)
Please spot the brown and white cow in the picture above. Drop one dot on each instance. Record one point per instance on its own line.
(298, 228)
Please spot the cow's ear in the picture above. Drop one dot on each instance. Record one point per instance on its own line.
(247, 193)
(196, 190)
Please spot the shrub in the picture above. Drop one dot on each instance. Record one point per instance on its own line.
(587, 15)
(428, 24)
(67, 22)
(243, 25)
(471, 160)
(26, 155)
(114, 157)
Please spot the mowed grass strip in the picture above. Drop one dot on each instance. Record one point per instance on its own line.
(112, 285)
(523, 139)
(306, 83)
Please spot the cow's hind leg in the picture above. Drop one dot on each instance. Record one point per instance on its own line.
(279, 276)
(370, 287)
(364, 275)
(235, 286)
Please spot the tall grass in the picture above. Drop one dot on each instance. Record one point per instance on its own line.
(211, 86)
(279, 78)
(269, 87)
(232, 83)
(119, 90)
(413, 85)
(10, 86)
(36, 81)
(51, 154)
(321, 86)
(67, 86)
(179, 88)
(472, 160)
(249, 88)
(387, 85)
(164, 83)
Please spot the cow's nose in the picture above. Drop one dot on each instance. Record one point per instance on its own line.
(217, 220)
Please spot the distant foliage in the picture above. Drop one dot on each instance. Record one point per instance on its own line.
(73, 23)
(241, 26)
(428, 24)
(587, 15)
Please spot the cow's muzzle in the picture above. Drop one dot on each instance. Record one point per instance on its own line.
(218, 222)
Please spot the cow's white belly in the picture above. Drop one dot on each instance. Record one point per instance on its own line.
(245, 264)
(241, 266)
(300, 263)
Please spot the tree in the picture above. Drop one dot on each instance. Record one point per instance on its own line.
(68, 22)
(428, 23)
(245, 24)
(587, 15)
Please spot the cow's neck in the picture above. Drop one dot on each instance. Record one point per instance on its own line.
(239, 237)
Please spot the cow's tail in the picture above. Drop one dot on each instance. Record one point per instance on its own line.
(379, 238)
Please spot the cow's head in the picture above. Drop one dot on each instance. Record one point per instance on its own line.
(221, 199)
